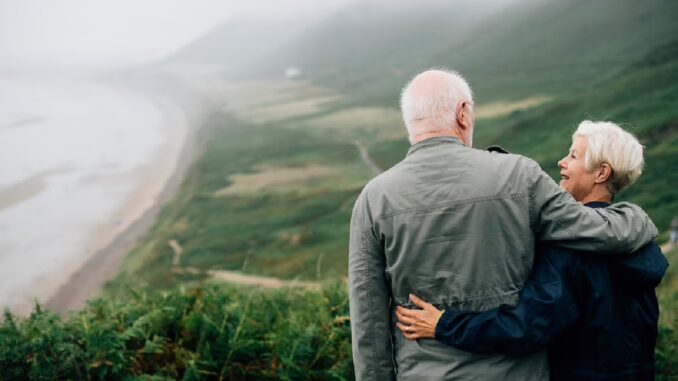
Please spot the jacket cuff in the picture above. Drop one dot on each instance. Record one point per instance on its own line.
(442, 330)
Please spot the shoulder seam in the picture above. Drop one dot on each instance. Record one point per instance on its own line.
(450, 203)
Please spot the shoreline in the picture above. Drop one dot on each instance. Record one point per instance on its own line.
(97, 268)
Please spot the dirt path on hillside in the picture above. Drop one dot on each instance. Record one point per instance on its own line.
(365, 156)
(248, 280)
(238, 278)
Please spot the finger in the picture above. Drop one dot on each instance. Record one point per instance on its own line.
(402, 327)
(413, 315)
(420, 303)
(407, 333)
(417, 302)
(406, 312)
(407, 320)
(399, 315)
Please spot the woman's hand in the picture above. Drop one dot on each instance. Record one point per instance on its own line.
(418, 324)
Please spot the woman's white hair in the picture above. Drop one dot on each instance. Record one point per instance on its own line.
(608, 143)
(438, 104)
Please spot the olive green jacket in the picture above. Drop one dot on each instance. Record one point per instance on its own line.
(456, 226)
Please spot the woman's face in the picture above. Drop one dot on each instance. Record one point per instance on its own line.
(574, 177)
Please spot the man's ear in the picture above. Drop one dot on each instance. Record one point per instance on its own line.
(462, 114)
(603, 173)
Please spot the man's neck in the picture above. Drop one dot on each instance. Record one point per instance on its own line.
(437, 134)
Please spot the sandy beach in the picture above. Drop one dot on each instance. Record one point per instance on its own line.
(83, 265)
(159, 181)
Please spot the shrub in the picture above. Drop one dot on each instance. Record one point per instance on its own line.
(210, 333)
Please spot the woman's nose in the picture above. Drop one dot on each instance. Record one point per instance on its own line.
(561, 163)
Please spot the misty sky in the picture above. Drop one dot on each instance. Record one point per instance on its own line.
(121, 32)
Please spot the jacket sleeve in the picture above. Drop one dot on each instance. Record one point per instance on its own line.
(369, 299)
(547, 306)
(555, 216)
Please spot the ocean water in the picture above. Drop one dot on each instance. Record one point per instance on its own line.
(71, 153)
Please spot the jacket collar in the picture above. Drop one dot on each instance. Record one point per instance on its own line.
(439, 140)
(597, 204)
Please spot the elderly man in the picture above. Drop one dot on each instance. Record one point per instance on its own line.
(457, 227)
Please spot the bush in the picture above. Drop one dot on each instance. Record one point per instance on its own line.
(211, 333)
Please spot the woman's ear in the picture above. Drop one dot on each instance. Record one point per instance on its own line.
(603, 173)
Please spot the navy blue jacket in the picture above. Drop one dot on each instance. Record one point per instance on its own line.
(597, 315)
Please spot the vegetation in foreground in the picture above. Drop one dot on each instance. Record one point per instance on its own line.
(209, 333)
(219, 333)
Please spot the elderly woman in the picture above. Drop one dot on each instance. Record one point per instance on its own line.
(596, 314)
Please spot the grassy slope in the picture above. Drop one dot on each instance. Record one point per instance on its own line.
(281, 233)
(642, 98)
(563, 47)
(538, 46)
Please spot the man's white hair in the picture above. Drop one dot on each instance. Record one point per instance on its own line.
(608, 143)
(438, 105)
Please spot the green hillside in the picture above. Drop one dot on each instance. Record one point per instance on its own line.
(641, 98)
(563, 47)
(511, 50)
(263, 223)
